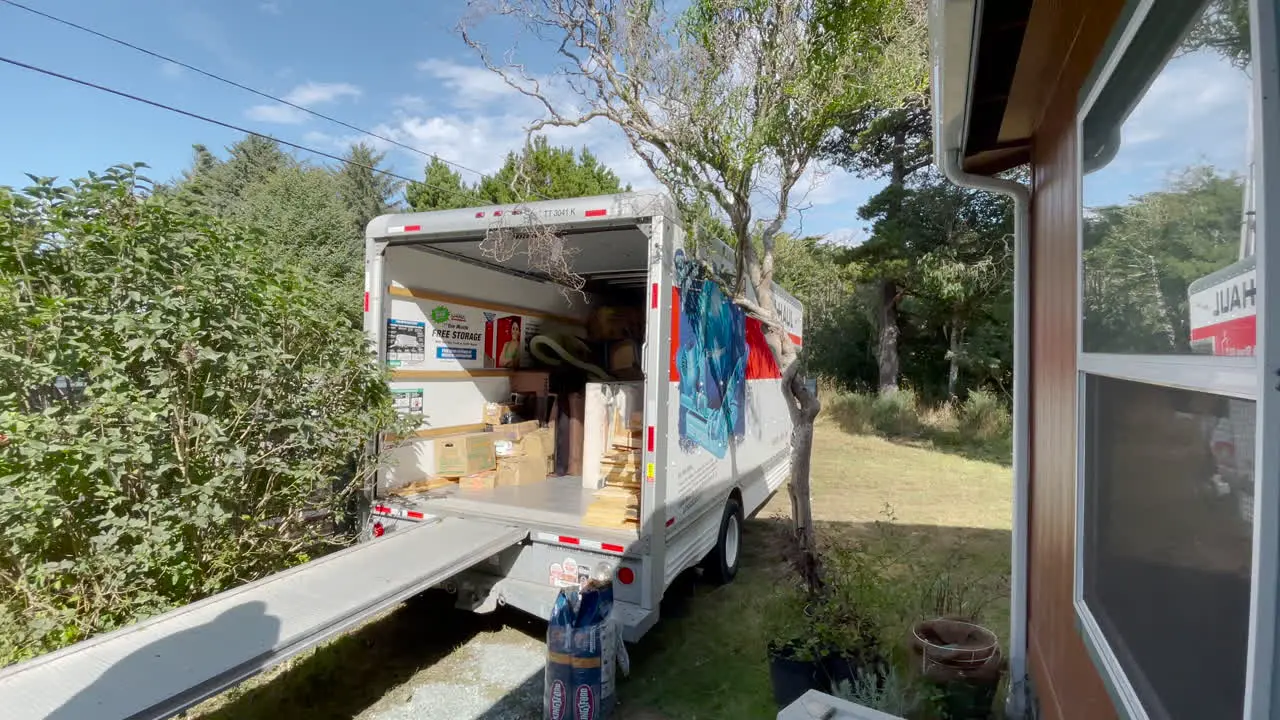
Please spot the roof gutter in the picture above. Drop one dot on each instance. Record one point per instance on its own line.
(952, 42)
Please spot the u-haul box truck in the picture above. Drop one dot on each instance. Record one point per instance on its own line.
(463, 311)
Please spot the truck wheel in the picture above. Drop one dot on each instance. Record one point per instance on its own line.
(721, 564)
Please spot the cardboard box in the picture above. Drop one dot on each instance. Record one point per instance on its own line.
(519, 430)
(521, 470)
(542, 444)
(461, 455)
(486, 480)
(531, 381)
(493, 412)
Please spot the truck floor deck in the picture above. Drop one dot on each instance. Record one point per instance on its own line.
(556, 504)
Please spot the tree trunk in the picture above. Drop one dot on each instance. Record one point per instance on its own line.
(887, 345)
(804, 407)
(953, 352)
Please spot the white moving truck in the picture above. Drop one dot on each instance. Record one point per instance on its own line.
(715, 436)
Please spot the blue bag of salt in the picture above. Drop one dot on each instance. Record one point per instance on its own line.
(558, 682)
(594, 647)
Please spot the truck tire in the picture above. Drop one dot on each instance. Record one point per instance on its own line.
(721, 564)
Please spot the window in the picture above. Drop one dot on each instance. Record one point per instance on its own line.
(1167, 543)
(1169, 390)
(1167, 226)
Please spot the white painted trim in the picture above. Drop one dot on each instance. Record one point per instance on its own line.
(1113, 60)
(1262, 688)
(1232, 376)
(1112, 673)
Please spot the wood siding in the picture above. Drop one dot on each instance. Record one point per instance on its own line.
(1064, 676)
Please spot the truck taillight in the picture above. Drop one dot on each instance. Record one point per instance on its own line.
(379, 530)
(626, 575)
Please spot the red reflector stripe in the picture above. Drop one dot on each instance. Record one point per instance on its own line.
(595, 213)
(653, 297)
(610, 547)
(568, 540)
(412, 228)
(796, 339)
(415, 515)
(479, 214)
(651, 438)
(366, 302)
(381, 509)
(497, 213)
(671, 522)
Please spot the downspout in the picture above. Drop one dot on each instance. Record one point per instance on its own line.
(947, 156)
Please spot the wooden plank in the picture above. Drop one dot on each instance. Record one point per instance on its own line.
(465, 374)
(440, 432)
(425, 486)
(431, 295)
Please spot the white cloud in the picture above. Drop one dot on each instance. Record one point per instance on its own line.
(410, 103)
(1197, 106)
(469, 116)
(846, 236)
(276, 113)
(307, 95)
(170, 70)
(467, 86)
(314, 93)
(271, 8)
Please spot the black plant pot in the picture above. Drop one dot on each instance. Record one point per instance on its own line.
(843, 666)
(791, 676)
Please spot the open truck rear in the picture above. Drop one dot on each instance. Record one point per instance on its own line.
(651, 350)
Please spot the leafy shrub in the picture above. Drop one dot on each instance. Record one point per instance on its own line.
(852, 410)
(896, 413)
(175, 402)
(984, 416)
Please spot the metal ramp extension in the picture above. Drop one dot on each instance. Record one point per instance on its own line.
(162, 665)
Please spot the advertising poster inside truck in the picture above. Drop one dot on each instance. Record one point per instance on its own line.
(454, 336)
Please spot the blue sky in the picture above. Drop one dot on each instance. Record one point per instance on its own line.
(402, 71)
(1195, 111)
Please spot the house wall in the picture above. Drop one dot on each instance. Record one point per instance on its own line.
(1066, 38)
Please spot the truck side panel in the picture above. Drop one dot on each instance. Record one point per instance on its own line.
(726, 426)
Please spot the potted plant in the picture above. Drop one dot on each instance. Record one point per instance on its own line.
(957, 655)
(791, 650)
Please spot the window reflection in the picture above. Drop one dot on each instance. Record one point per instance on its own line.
(1168, 146)
(1168, 532)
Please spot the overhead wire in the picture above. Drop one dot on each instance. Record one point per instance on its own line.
(238, 85)
(214, 121)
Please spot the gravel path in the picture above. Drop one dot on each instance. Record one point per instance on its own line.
(493, 676)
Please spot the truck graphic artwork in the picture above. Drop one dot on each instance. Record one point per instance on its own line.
(1224, 312)
(711, 359)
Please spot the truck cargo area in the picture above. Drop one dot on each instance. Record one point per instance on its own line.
(514, 333)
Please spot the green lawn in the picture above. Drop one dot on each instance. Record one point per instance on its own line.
(706, 658)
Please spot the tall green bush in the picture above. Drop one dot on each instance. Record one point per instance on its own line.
(176, 403)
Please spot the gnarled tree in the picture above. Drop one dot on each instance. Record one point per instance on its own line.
(728, 103)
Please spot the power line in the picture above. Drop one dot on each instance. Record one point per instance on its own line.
(233, 83)
(220, 123)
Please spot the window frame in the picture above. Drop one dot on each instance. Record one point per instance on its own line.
(1246, 378)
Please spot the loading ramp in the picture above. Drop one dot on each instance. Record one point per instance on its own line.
(158, 667)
